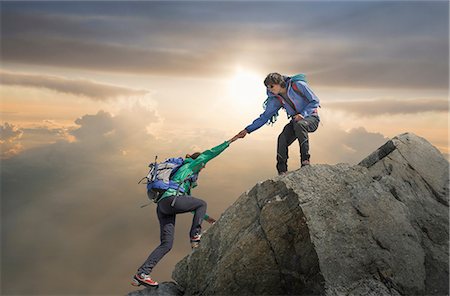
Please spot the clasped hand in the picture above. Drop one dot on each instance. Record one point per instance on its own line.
(239, 135)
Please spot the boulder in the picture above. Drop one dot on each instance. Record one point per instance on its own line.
(376, 228)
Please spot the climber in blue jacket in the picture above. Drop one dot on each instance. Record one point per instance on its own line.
(301, 104)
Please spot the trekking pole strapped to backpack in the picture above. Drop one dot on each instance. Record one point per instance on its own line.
(150, 175)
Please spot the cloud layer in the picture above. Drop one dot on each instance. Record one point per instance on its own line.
(356, 44)
(78, 87)
(71, 191)
(371, 108)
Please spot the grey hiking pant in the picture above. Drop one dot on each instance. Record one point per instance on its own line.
(292, 131)
(166, 216)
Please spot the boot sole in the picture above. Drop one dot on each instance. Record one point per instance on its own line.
(138, 283)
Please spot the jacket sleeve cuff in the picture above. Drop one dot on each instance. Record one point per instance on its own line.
(249, 130)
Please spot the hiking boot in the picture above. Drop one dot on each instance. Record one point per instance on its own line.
(305, 162)
(143, 279)
(282, 173)
(195, 241)
(135, 282)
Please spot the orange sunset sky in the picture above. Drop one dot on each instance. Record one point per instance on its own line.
(92, 91)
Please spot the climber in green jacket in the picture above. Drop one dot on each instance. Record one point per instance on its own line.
(177, 201)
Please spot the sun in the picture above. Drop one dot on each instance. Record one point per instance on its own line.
(246, 90)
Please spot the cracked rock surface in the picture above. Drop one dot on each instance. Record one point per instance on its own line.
(377, 228)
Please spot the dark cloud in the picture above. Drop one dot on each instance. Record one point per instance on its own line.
(80, 87)
(386, 20)
(385, 44)
(111, 57)
(356, 18)
(393, 73)
(390, 106)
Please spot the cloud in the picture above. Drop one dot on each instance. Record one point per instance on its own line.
(353, 44)
(10, 137)
(9, 132)
(390, 106)
(78, 87)
(119, 58)
(16, 139)
(332, 145)
(388, 72)
(45, 133)
(72, 190)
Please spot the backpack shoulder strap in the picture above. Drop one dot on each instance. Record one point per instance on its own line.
(299, 91)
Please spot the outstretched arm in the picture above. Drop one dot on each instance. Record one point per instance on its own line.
(207, 155)
(272, 107)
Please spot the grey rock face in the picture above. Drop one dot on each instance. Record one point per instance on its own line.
(377, 228)
(417, 175)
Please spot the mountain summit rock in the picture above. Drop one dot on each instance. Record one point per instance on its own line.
(376, 228)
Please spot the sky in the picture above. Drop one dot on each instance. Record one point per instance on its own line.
(90, 92)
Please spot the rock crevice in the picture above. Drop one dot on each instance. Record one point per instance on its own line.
(283, 280)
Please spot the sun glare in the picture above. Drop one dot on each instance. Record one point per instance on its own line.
(246, 90)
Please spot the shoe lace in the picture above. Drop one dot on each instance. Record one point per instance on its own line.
(145, 276)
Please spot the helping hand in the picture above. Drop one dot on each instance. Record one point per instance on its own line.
(240, 135)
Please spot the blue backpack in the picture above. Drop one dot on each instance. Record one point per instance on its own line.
(159, 177)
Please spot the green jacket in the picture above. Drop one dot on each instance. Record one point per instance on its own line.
(191, 167)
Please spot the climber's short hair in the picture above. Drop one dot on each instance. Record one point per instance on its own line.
(275, 78)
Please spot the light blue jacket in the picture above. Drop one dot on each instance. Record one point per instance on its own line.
(303, 98)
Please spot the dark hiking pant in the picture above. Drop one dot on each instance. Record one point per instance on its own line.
(166, 216)
(292, 131)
